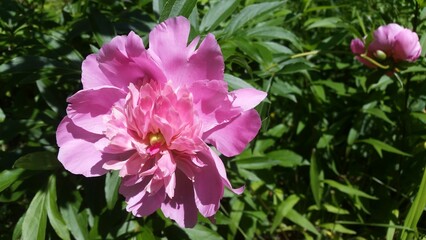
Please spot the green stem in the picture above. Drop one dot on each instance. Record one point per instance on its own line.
(374, 61)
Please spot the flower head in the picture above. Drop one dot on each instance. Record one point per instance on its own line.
(151, 113)
(389, 43)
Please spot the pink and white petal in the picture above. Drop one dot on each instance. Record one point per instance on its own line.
(77, 150)
(179, 61)
(181, 207)
(231, 138)
(87, 108)
(221, 170)
(247, 98)
(208, 187)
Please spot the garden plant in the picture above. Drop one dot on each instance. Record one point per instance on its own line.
(212, 119)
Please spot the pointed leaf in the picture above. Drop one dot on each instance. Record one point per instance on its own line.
(283, 210)
(112, 183)
(217, 14)
(34, 225)
(249, 13)
(55, 217)
(8, 177)
(348, 189)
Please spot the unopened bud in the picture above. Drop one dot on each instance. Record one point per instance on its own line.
(379, 54)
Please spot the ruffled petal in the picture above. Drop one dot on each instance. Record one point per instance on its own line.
(77, 150)
(181, 207)
(139, 201)
(406, 46)
(88, 108)
(181, 64)
(222, 172)
(247, 98)
(231, 138)
(212, 103)
(208, 186)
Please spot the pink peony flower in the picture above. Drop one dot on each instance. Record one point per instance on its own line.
(389, 42)
(151, 113)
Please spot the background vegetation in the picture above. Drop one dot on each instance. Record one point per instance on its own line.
(341, 153)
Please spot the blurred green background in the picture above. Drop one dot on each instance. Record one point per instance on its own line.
(340, 155)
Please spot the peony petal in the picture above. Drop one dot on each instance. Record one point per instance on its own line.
(87, 108)
(247, 98)
(221, 170)
(77, 150)
(384, 37)
(212, 103)
(181, 64)
(406, 46)
(357, 46)
(140, 202)
(181, 207)
(231, 138)
(208, 186)
(92, 76)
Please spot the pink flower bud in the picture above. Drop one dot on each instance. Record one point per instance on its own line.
(389, 42)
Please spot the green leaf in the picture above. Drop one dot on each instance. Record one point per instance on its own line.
(38, 161)
(300, 220)
(202, 232)
(235, 216)
(17, 231)
(173, 8)
(283, 158)
(316, 177)
(273, 32)
(336, 210)
(380, 114)
(348, 189)
(34, 225)
(235, 82)
(249, 13)
(112, 183)
(295, 65)
(286, 158)
(8, 177)
(330, 22)
(76, 223)
(55, 217)
(283, 209)
(2, 116)
(381, 146)
(217, 14)
(416, 209)
(335, 227)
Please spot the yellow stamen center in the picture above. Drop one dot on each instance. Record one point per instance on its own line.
(155, 138)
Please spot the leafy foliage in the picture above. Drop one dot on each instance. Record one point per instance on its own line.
(341, 152)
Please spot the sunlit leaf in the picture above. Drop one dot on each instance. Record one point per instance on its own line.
(283, 209)
(112, 183)
(348, 189)
(8, 177)
(55, 217)
(34, 225)
(249, 13)
(217, 14)
(381, 146)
